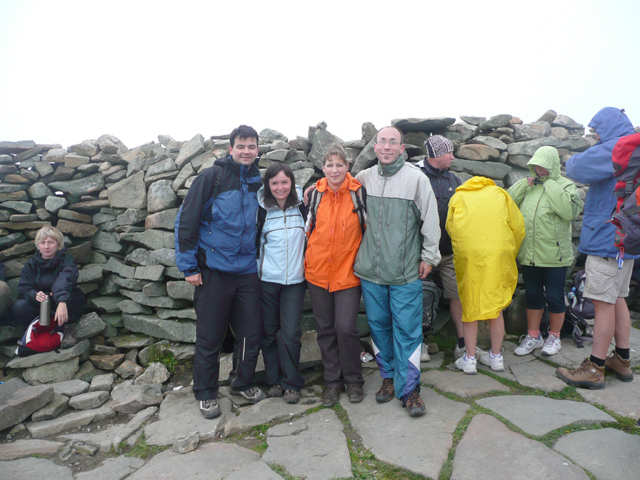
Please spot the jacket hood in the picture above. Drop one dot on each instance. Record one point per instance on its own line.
(350, 183)
(611, 123)
(476, 183)
(546, 157)
(260, 195)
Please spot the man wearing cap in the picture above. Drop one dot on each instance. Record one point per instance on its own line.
(444, 183)
(398, 249)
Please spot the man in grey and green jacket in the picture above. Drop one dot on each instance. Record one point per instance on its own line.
(399, 248)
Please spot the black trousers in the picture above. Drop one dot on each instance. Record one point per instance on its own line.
(336, 314)
(225, 300)
(281, 307)
(24, 311)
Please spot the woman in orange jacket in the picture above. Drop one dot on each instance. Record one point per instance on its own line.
(334, 230)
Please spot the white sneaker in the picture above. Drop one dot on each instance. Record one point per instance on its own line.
(466, 364)
(458, 352)
(496, 362)
(552, 345)
(424, 353)
(528, 345)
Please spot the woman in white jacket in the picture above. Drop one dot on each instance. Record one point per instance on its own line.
(281, 236)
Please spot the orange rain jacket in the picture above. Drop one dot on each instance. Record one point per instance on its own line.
(333, 244)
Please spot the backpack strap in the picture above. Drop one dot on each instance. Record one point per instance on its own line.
(314, 200)
(261, 215)
(359, 199)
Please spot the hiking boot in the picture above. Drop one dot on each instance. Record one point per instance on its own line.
(552, 345)
(331, 395)
(467, 364)
(251, 395)
(495, 362)
(274, 391)
(291, 396)
(587, 375)
(414, 404)
(209, 408)
(618, 365)
(528, 345)
(424, 353)
(386, 392)
(355, 393)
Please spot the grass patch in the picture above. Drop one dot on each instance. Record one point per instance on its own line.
(447, 468)
(144, 451)
(165, 357)
(279, 469)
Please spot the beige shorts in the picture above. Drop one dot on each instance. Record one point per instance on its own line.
(605, 282)
(448, 276)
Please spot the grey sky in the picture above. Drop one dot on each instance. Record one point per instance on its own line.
(72, 70)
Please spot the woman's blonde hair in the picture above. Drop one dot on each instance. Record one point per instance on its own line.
(49, 231)
(336, 150)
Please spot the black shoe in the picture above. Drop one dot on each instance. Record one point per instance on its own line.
(355, 393)
(209, 408)
(386, 392)
(274, 391)
(291, 396)
(251, 395)
(331, 395)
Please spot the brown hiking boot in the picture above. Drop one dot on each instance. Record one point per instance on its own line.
(331, 395)
(587, 375)
(618, 365)
(355, 392)
(414, 404)
(386, 392)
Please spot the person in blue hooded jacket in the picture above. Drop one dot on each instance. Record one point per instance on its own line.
(607, 275)
(215, 240)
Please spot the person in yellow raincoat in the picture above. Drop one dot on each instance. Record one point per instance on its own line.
(486, 229)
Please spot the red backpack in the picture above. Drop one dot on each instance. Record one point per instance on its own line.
(38, 339)
(626, 217)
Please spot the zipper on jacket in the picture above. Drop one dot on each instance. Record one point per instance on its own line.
(535, 216)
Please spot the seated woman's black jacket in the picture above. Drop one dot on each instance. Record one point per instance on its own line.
(58, 275)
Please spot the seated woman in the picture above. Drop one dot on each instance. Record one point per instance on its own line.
(50, 272)
(486, 230)
(281, 238)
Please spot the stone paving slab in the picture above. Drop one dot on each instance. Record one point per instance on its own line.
(50, 357)
(254, 471)
(537, 415)
(18, 401)
(622, 398)
(33, 468)
(70, 388)
(510, 360)
(26, 448)
(180, 415)
(112, 469)
(490, 450)
(268, 410)
(462, 384)
(211, 461)
(313, 447)
(609, 454)
(111, 437)
(68, 422)
(538, 375)
(399, 445)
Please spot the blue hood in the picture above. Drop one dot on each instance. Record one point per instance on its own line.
(610, 123)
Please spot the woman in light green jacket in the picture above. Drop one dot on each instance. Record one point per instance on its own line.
(548, 202)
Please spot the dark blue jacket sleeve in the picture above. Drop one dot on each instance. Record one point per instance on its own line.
(593, 165)
(27, 282)
(188, 220)
(66, 280)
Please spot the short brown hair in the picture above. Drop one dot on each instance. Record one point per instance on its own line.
(336, 150)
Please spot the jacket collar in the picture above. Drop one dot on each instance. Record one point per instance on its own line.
(390, 169)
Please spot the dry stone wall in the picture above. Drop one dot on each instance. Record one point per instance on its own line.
(116, 206)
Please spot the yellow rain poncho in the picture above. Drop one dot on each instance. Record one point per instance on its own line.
(486, 229)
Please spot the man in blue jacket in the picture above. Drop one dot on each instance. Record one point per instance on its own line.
(608, 276)
(215, 237)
